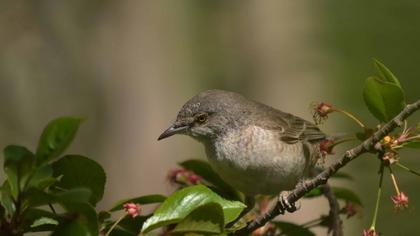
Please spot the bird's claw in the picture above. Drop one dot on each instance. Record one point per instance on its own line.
(289, 207)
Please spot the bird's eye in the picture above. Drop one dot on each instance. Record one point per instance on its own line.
(202, 118)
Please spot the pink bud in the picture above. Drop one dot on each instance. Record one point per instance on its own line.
(183, 177)
(390, 157)
(320, 111)
(194, 179)
(132, 209)
(400, 201)
(370, 232)
(323, 109)
(325, 146)
(350, 209)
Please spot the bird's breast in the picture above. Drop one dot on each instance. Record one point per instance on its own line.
(255, 160)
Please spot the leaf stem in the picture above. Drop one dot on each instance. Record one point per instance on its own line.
(115, 224)
(412, 138)
(394, 181)
(342, 141)
(405, 130)
(378, 196)
(407, 169)
(351, 116)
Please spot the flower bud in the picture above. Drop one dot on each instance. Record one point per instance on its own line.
(183, 177)
(400, 200)
(387, 139)
(326, 146)
(370, 232)
(132, 209)
(321, 111)
(390, 157)
(350, 209)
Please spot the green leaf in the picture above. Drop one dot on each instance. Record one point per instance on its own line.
(85, 214)
(383, 99)
(6, 199)
(78, 195)
(206, 219)
(103, 215)
(2, 212)
(155, 198)
(128, 226)
(203, 169)
(385, 73)
(121, 232)
(42, 177)
(75, 201)
(180, 204)
(412, 144)
(347, 195)
(44, 221)
(291, 229)
(18, 163)
(56, 137)
(72, 228)
(35, 197)
(79, 171)
(37, 220)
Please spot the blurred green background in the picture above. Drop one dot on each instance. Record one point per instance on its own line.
(128, 66)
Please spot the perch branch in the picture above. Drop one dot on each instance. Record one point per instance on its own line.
(366, 146)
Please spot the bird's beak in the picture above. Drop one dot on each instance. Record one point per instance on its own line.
(174, 129)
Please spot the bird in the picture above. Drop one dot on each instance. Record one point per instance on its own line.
(255, 148)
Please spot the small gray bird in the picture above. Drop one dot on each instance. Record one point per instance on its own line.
(253, 147)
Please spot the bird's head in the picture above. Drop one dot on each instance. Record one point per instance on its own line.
(208, 115)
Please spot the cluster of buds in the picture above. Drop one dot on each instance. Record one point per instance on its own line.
(400, 140)
(390, 157)
(183, 177)
(132, 209)
(405, 137)
(389, 146)
(392, 143)
(387, 141)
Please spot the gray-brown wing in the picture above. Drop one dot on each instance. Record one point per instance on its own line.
(291, 128)
(299, 129)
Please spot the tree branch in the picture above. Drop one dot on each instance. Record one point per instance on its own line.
(366, 146)
(334, 215)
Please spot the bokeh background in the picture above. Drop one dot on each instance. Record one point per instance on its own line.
(128, 66)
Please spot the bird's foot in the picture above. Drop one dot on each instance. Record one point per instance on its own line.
(289, 207)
